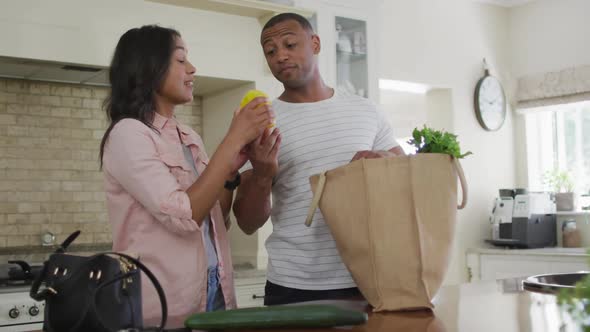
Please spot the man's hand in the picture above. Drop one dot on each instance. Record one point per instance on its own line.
(397, 151)
(263, 154)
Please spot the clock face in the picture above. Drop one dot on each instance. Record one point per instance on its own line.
(490, 103)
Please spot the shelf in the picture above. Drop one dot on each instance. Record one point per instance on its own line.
(555, 251)
(349, 57)
(262, 10)
(573, 213)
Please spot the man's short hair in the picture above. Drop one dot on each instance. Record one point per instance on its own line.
(303, 22)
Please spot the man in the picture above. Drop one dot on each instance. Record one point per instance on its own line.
(320, 129)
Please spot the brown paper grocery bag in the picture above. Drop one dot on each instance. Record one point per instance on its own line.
(393, 221)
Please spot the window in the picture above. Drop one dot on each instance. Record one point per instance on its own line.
(403, 143)
(558, 138)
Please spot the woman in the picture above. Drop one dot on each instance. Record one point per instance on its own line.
(166, 200)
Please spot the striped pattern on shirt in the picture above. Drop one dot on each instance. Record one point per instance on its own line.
(316, 137)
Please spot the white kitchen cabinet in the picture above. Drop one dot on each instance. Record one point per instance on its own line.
(493, 264)
(351, 55)
(348, 32)
(262, 10)
(250, 291)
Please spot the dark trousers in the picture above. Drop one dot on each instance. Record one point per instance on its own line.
(275, 294)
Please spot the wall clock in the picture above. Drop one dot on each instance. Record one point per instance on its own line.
(490, 102)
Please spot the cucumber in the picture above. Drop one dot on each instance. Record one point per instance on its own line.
(288, 316)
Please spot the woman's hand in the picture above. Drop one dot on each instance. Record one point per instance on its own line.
(250, 122)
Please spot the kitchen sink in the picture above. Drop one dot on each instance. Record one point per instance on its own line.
(553, 283)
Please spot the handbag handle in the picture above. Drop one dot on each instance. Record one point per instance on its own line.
(316, 199)
(322, 182)
(40, 296)
(148, 273)
(463, 182)
(66, 243)
(34, 292)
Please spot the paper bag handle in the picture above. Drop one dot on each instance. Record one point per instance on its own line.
(316, 199)
(463, 183)
(322, 182)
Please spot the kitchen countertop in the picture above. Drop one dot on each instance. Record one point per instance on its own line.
(573, 213)
(36, 255)
(73, 248)
(480, 306)
(248, 271)
(559, 251)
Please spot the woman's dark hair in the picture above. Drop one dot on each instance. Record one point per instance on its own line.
(137, 71)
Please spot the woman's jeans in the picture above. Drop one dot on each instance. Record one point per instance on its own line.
(215, 300)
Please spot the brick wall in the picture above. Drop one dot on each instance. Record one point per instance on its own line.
(49, 173)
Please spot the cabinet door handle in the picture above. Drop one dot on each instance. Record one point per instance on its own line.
(254, 296)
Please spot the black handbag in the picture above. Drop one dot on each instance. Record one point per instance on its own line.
(99, 293)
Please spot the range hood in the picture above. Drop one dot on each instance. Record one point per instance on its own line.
(39, 70)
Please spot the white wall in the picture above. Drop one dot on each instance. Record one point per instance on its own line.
(218, 111)
(549, 35)
(439, 109)
(442, 44)
(405, 110)
(546, 36)
(217, 115)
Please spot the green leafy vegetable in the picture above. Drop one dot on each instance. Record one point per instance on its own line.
(429, 140)
(577, 302)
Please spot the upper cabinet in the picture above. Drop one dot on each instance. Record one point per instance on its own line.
(352, 69)
(262, 10)
(348, 34)
(348, 31)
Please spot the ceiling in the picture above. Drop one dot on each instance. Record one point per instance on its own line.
(67, 73)
(506, 3)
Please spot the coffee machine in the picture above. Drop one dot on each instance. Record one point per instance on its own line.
(523, 220)
(501, 214)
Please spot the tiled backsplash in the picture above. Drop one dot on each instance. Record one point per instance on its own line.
(49, 172)
(38, 254)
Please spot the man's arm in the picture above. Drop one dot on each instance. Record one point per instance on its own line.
(225, 201)
(252, 204)
(384, 139)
